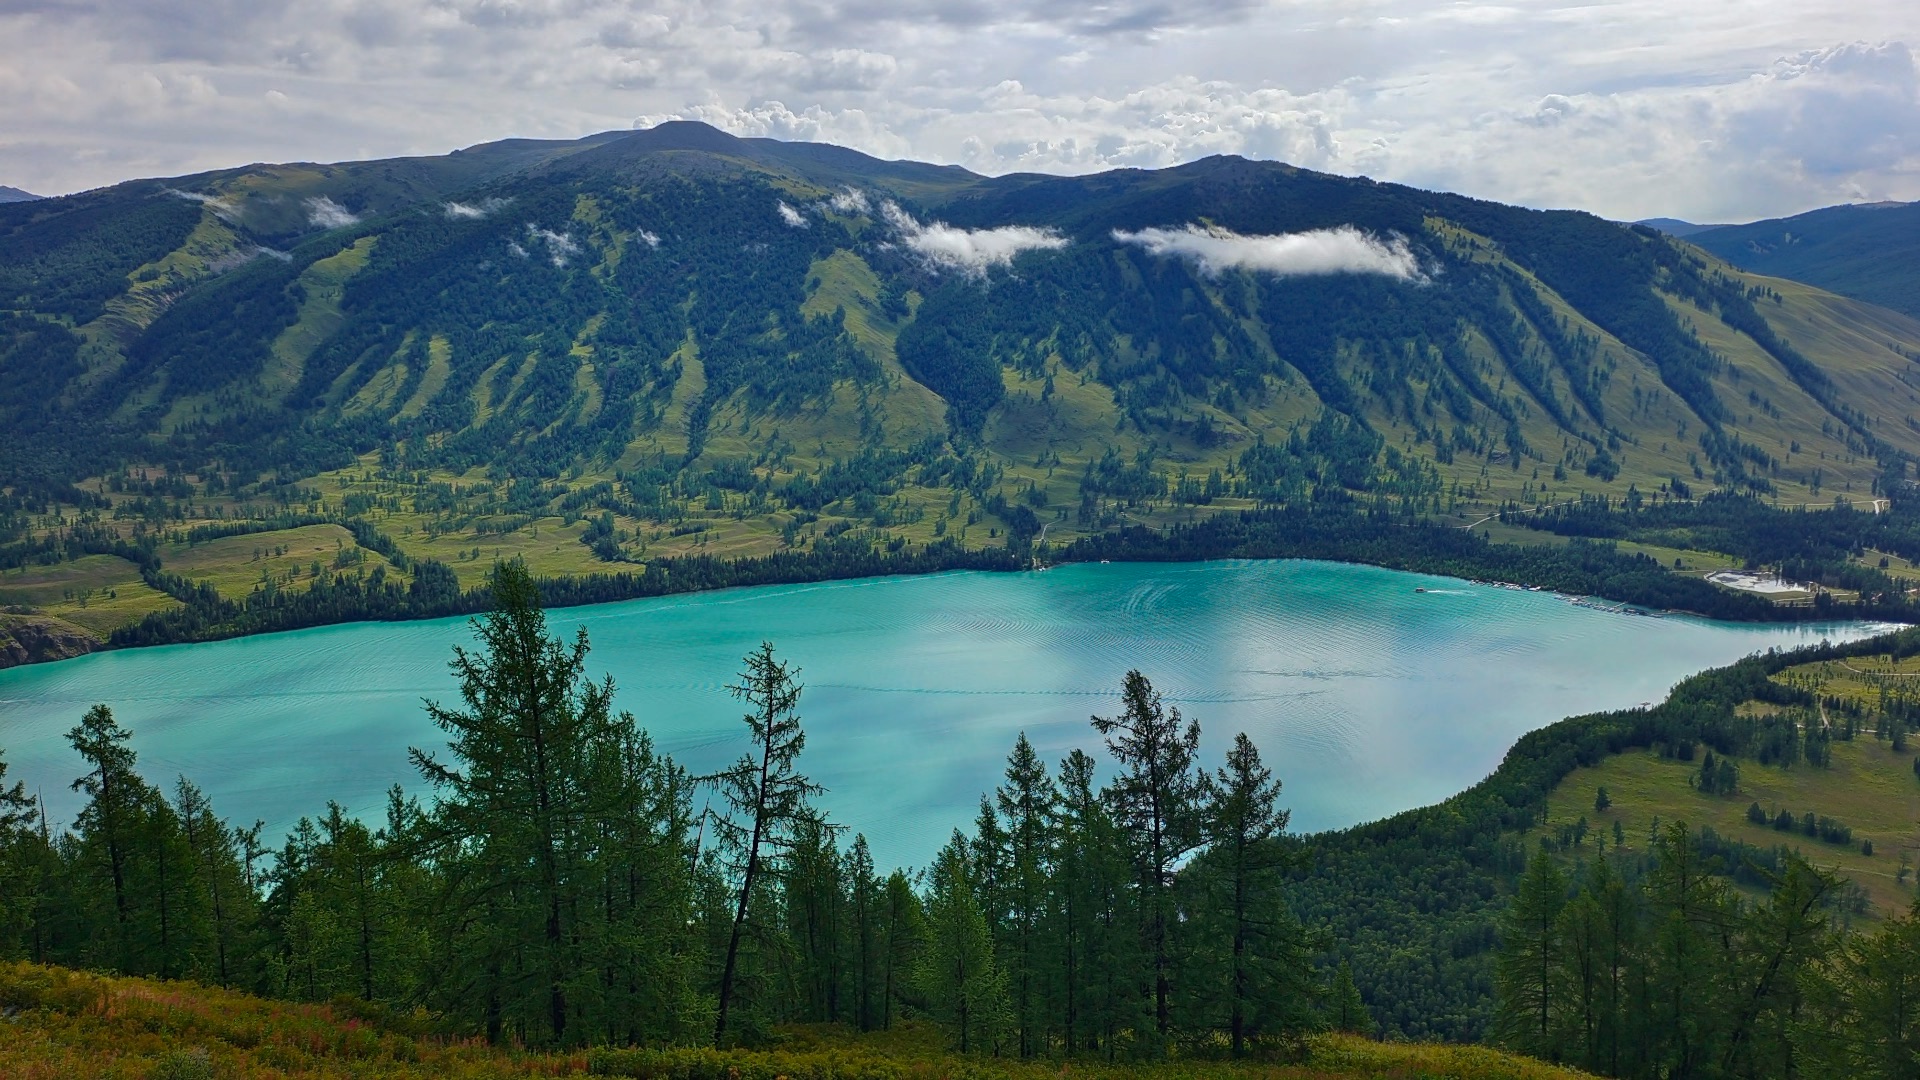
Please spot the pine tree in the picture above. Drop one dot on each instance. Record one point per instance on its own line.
(1025, 803)
(766, 792)
(1779, 942)
(1099, 945)
(645, 940)
(1862, 1016)
(903, 929)
(1159, 799)
(22, 865)
(815, 898)
(1688, 953)
(514, 812)
(1527, 978)
(114, 794)
(1346, 1010)
(866, 896)
(1250, 960)
(965, 990)
(231, 906)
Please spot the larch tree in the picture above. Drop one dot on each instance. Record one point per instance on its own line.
(1528, 969)
(1159, 799)
(1252, 958)
(21, 865)
(1026, 810)
(515, 812)
(957, 973)
(767, 796)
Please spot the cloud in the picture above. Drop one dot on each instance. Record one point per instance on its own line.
(324, 213)
(221, 206)
(560, 246)
(1630, 108)
(651, 239)
(792, 217)
(971, 251)
(850, 201)
(1343, 250)
(475, 211)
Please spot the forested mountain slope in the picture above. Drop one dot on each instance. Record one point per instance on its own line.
(1868, 251)
(676, 342)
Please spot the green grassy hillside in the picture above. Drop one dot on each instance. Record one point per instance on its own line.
(1861, 777)
(673, 343)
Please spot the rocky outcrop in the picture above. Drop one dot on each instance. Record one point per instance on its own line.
(33, 639)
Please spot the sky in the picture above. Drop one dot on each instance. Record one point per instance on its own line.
(1728, 110)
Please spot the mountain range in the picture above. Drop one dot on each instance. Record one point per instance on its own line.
(1869, 251)
(751, 343)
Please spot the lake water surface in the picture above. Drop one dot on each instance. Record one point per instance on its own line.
(1365, 696)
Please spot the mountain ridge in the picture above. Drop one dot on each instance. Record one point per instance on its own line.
(678, 343)
(1868, 251)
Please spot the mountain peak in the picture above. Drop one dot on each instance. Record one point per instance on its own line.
(14, 194)
(686, 135)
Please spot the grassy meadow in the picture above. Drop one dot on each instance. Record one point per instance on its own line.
(61, 1023)
(1869, 786)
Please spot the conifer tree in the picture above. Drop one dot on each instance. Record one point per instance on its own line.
(1688, 954)
(1862, 1020)
(1098, 940)
(514, 812)
(866, 897)
(230, 905)
(1251, 963)
(904, 930)
(1159, 798)
(1597, 931)
(114, 794)
(815, 894)
(1529, 963)
(1346, 1010)
(1025, 803)
(21, 866)
(964, 987)
(766, 793)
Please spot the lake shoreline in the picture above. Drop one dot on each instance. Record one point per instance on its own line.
(1581, 569)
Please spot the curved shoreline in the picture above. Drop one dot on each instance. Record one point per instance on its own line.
(1580, 569)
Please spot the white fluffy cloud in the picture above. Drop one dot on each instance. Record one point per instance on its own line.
(1345, 250)
(793, 218)
(561, 247)
(970, 251)
(1628, 107)
(326, 214)
(475, 210)
(850, 201)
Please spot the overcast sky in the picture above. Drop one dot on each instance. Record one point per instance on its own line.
(1715, 110)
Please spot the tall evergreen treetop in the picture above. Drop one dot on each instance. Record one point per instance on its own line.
(516, 805)
(1159, 798)
(765, 792)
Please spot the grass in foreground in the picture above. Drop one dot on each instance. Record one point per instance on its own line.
(62, 1023)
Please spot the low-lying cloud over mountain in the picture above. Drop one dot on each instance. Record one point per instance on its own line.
(1728, 111)
(327, 214)
(1345, 250)
(970, 251)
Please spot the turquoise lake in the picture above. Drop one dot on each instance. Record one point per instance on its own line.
(1365, 696)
